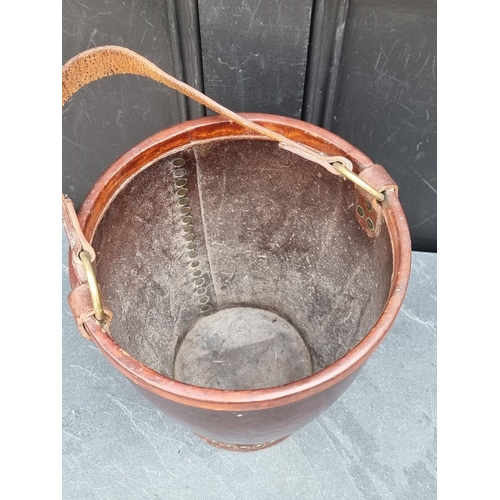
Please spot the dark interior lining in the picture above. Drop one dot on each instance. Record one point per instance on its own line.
(270, 230)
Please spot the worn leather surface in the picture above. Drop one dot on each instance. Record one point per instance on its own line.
(76, 239)
(271, 230)
(80, 302)
(377, 177)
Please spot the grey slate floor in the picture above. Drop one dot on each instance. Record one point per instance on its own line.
(378, 441)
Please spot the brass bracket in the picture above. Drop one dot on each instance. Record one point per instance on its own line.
(340, 167)
(95, 294)
(337, 165)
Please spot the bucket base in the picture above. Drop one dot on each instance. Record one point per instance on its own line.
(241, 447)
(242, 348)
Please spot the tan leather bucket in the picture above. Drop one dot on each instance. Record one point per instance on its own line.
(238, 269)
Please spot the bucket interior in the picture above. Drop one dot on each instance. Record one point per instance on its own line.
(234, 264)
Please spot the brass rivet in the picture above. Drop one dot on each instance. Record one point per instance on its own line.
(178, 162)
(187, 229)
(180, 172)
(199, 282)
(185, 210)
(203, 300)
(191, 246)
(368, 206)
(197, 273)
(183, 201)
(187, 219)
(192, 254)
(201, 290)
(204, 308)
(195, 263)
(189, 237)
(361, 212)
(182, 192)
(369, 223)
(180, 183)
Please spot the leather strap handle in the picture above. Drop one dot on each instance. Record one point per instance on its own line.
(108, 60)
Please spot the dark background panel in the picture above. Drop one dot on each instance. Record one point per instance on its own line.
(255, 53)
(106, 118)
(326, 40)
(386, 104)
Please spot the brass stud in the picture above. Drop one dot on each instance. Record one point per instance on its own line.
(368, 206)
(360, 210)
(370, 224)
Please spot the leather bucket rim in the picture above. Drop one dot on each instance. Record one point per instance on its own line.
(217, 127)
